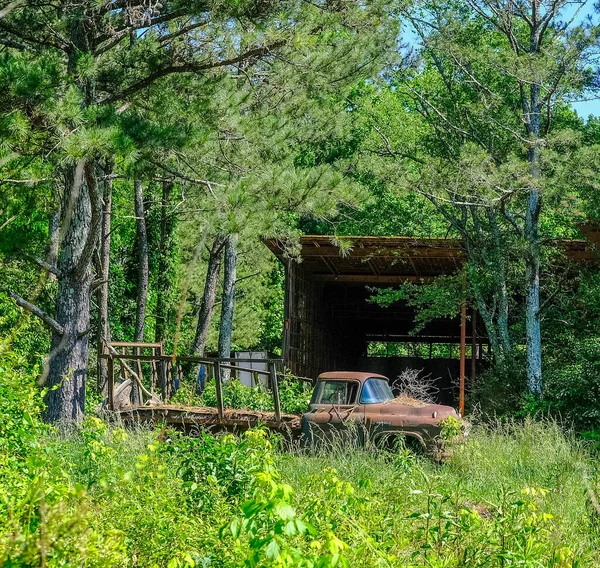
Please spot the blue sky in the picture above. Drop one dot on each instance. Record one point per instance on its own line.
(584, 108)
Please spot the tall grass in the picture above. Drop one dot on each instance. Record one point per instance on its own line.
(513, 494)
(498, 464)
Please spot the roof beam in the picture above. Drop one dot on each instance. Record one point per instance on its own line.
(381, 252)
(371, 279)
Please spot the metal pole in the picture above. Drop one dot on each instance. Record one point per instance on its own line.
(219, 388)
(473, 345)
(463, 350)
(275, 390)
(110, 371)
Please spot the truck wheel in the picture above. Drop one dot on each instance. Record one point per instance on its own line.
(397, 442)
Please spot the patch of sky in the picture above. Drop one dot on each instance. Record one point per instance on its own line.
(576, 12)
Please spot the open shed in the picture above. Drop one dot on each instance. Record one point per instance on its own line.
(330, 324)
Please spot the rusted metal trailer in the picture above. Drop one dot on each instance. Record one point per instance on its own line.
(152, 403)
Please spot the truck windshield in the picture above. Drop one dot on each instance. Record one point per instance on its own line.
(376, 390)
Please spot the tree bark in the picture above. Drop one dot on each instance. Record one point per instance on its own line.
(67, 365)
(228, 303)
(103, 325)
(53, 241)
(499, 256)
(532, 215)
(143, 277)
(210, 293)
(532, 304)
(142, 250)
(164, 264)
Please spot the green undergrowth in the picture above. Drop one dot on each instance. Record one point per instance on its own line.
(513, 494)
(294, 395)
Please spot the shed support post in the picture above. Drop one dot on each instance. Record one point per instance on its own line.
(473, 345)
(219, 389)
(463, 351)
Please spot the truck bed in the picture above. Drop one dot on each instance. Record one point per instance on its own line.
(189, 418)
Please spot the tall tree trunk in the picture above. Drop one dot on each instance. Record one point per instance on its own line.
(142, 250)
(532, 305)
(103, 325)
(143, 276)
(67, 366)
(499, 256)
(210, 293)
(532, 215)
(164, 276)
(228, 303)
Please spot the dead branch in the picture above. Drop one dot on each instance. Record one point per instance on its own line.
(96, 284)
(10, 7)
(31, 308)
(41, 263)
(7, 222)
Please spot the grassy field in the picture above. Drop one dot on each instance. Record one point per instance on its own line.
(512, 495)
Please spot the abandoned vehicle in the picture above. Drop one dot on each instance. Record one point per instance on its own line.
(363, 405)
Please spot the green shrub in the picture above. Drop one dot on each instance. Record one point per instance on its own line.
(294, 396)
(225, 467)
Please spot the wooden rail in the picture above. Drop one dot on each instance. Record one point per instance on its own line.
(161, 364)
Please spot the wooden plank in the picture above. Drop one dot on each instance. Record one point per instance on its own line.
(110, 369)
(473, 345)
(275, 391)
(134, 344)
(383, 252)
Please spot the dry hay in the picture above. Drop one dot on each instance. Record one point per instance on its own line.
(407, 400)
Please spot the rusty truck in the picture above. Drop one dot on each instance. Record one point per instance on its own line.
(363, 406)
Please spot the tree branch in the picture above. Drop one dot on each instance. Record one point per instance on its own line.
(184, 177)
(190, 68)
(10, 7)
(7, 222)
(41, 263)
(31, 308)
(94, 232)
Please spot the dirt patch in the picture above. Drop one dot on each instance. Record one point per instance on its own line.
(484, 511)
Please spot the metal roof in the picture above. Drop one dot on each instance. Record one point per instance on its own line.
(390, 260)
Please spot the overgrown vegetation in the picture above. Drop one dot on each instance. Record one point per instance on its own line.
(514, 493)
(294, 395)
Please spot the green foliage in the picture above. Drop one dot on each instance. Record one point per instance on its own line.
(441, 299)
(294, 395)
(214, 469)
(102, 496)
(452, 428)
(20, 409)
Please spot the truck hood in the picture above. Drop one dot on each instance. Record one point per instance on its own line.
(431, 412)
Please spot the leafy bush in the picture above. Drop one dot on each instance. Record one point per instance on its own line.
(224, 467)
(20, 408)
